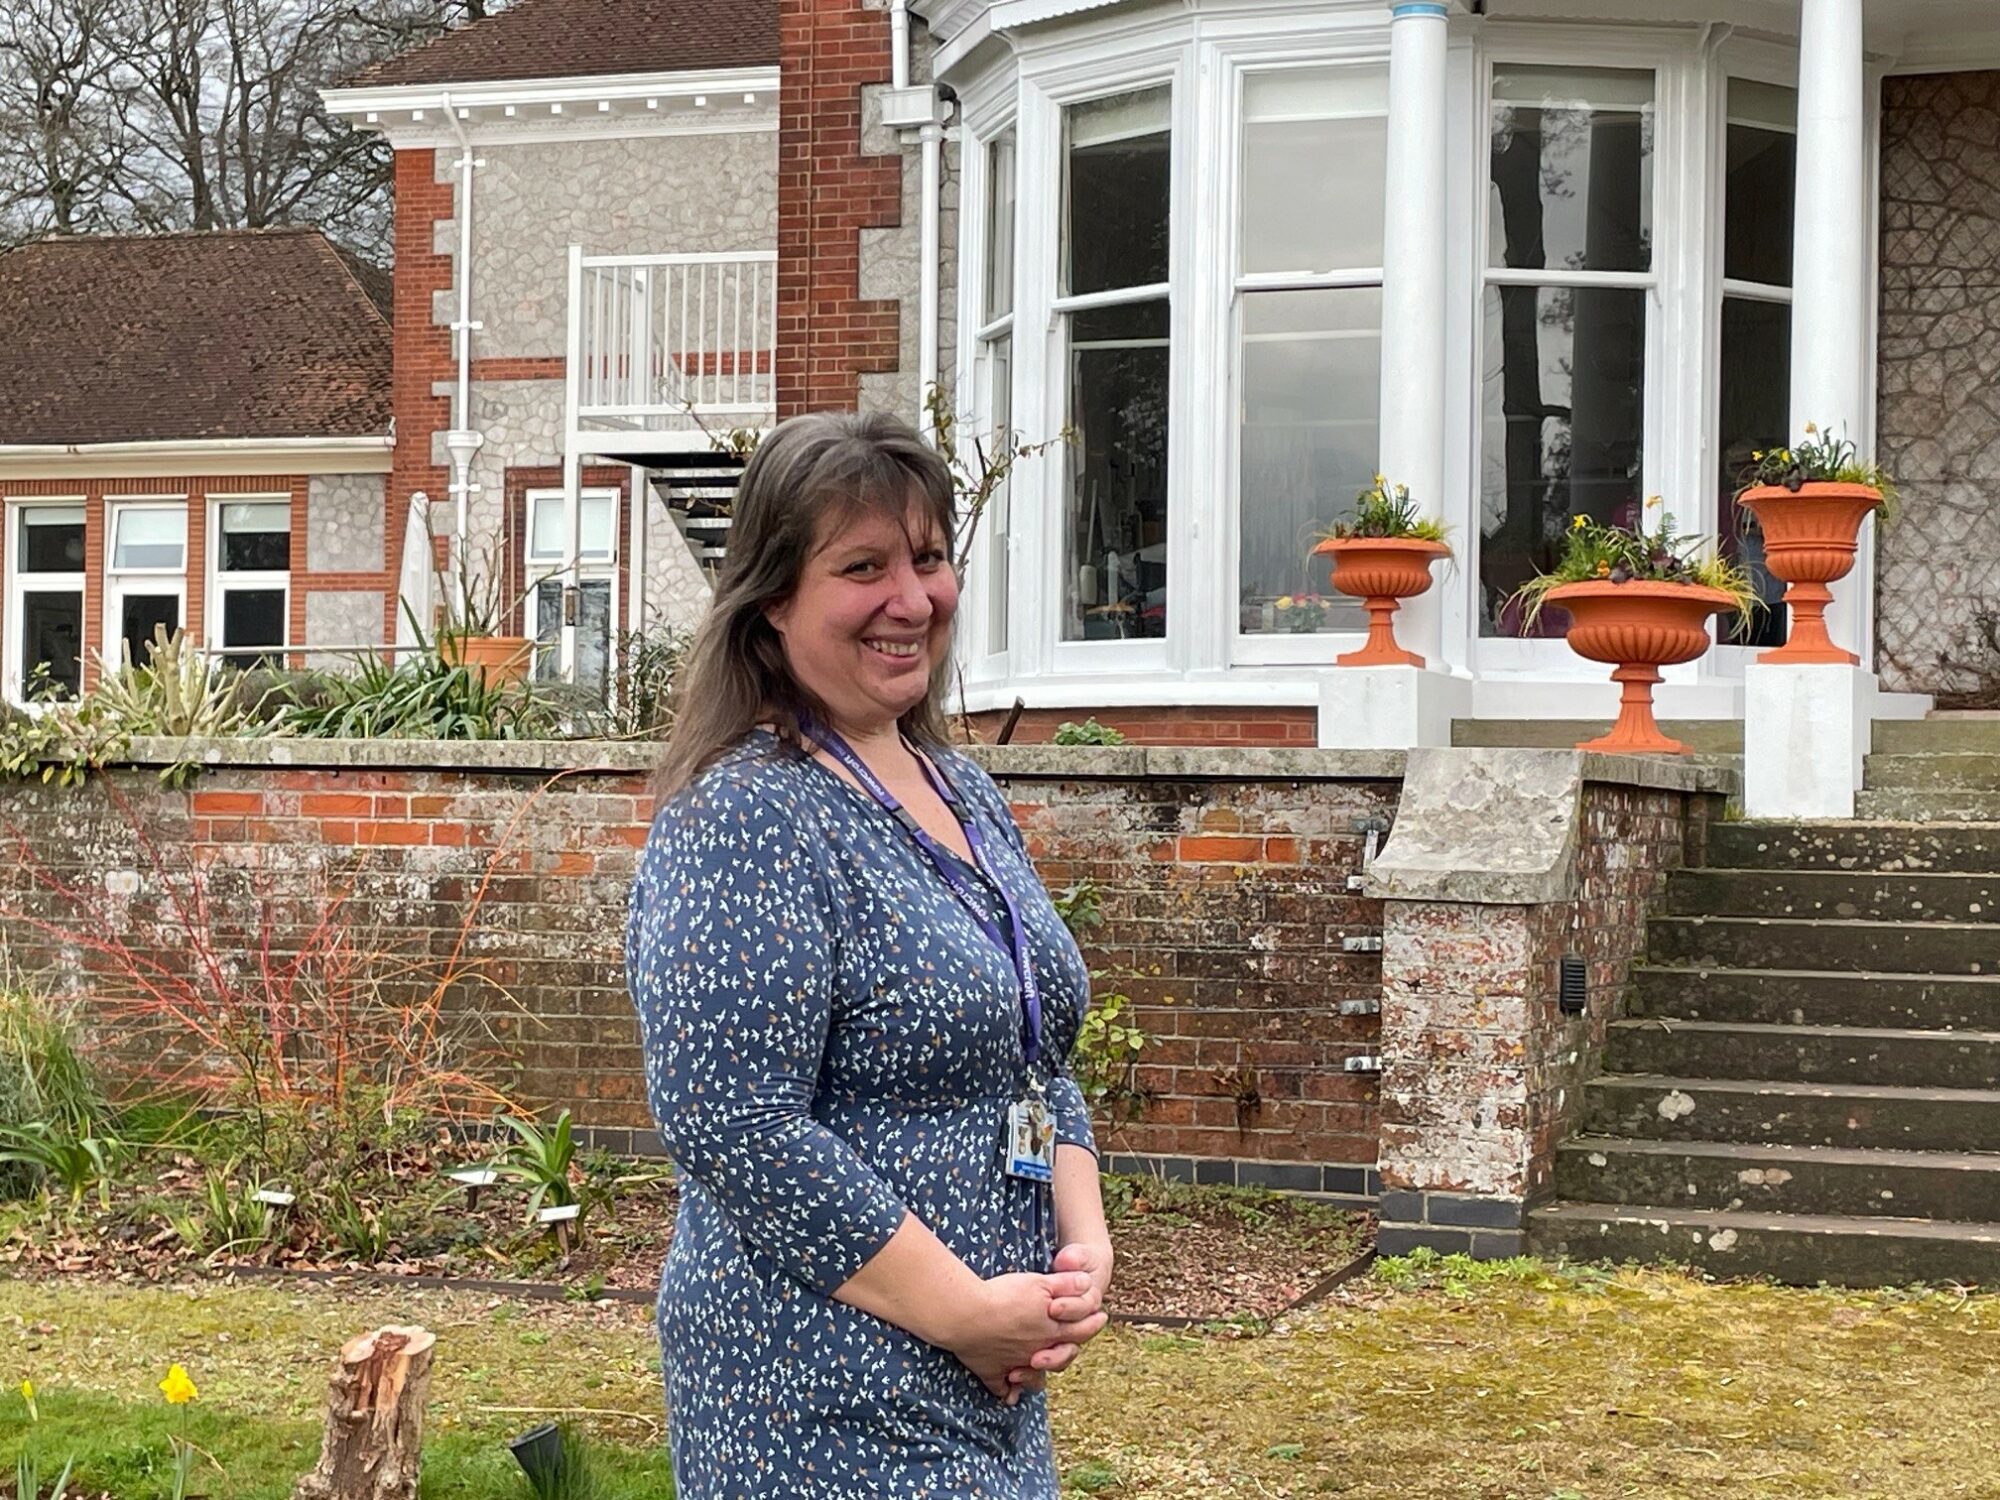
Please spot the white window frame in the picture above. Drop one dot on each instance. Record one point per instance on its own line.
(1756, 63)
(537, 569)
(118, 582)
(220, 582)
(1241, 647)
(989, 656)
(19, 583)
(1672, 421)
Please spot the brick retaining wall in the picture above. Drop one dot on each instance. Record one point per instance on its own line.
(1224, 872)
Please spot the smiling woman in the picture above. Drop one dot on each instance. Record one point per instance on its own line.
(856, 1001)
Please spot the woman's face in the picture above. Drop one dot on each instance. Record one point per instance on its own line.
(871, 617)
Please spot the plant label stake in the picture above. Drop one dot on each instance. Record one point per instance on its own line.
(562, 1216)
(472, 1179)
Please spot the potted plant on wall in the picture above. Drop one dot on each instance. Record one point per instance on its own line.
(471, 623)
(1640, 600)
(1810, 502)
(1382, 555)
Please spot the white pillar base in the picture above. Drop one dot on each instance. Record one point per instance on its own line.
(1805, 731)
(1390, 708)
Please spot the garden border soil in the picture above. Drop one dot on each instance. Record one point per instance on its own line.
(557, 1291)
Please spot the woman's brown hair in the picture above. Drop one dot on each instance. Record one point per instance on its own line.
(809, 477)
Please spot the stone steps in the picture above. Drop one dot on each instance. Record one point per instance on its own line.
(1904, 1058)
(1857, 846)
(1934, 772)
(1727, 1177)
(1810, 997)
(1848, 946)
(1835, 894)
(1945, 734)
(1804, 1249)
(1654, 1107)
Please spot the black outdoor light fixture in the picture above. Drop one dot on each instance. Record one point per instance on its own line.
(1572, 997)
(539, 1452)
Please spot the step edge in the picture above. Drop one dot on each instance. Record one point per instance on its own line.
(1572, 1211)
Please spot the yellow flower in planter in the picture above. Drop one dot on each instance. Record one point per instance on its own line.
(1577, 523)
(1284, 601)
(1811, 428)
(177, 1388)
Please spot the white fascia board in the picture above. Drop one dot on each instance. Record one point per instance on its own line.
(400, 105)
(218, 456)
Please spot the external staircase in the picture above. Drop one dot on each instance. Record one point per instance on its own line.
(1806, 1081)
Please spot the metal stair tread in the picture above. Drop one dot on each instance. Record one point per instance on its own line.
(1838, 1156)
(1784, 1029)
(1948, 1231)
(1887, 1093)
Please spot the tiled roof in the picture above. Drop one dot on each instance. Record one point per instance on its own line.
(258, 333)
(589, 39)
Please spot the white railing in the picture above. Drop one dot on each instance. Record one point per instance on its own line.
(655, 336)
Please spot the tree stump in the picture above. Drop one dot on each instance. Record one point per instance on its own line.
(374, 1438)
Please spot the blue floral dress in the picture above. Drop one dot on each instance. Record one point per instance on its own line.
(830, 1040)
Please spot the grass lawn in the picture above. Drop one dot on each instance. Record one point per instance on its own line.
(1422, 1383)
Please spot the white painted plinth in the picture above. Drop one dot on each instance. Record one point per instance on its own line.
(1389, 708)
(1805, 731)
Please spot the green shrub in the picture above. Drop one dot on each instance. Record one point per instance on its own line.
(45, 1078)
(422, 697)
(1089, 732)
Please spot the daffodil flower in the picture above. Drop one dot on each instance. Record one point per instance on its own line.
(1811, 428)
(178, 1388)
(1579, 522)
(1284, 601)
(28, 1395)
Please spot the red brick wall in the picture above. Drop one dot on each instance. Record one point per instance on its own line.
(423, 353)
(828, 191)
(1295, 727)
(1226, 903)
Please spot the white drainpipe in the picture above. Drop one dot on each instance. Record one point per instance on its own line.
(899, 43)
(462, 441)
(932, 137)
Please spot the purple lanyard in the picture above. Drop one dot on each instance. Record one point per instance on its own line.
(949, 867)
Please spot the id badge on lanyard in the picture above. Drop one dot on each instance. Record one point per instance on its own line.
(1028, 1146)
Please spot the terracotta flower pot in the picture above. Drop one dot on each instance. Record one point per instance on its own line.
(1809, 541)
(1382, 572)
(1639, 627)
(497, 658)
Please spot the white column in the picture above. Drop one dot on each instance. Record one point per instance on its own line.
(1806, 728)
(1831, 231)
(1404, 706)
(1414, 229)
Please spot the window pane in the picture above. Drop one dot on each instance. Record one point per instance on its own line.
(546, 536)
(1563, 414)
(1313, 149)
(1000, 401)
(52, 539)
(1000, 227)
(140, 616)
(150, 538)
(253, 617)
(1115, 216)
(593, 634)
(1572, 169)
(1755, 413)
(256, 537)
(1115, 581)
(1763, 160)
(52, 632)
(1311, 404)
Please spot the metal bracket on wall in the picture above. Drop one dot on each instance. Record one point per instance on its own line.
(1373, 829)
(1370, 1062)
(1361, 1007)
(1361, 945)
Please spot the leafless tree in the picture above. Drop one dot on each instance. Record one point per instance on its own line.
(197, 114)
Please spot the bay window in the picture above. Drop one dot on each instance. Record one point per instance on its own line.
(1760, 156)
(1563, 318)
(145, 582)
(45, 600)
(1309, 342)
(1114, 304)
(253, 561)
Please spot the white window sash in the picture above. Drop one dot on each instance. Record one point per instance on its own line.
(21, 583)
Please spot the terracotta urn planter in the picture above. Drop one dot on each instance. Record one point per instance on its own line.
(1638, 627)
(1381, 572)
(496, 658)
(1809, 541)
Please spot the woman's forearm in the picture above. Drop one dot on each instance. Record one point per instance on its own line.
(1079, 1198)
(917, 1283)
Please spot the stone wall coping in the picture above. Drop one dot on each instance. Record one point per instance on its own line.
(1502, 827)
(1186, 762)
(623, 757)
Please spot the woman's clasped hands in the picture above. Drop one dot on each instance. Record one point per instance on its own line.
(1023, 1326)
